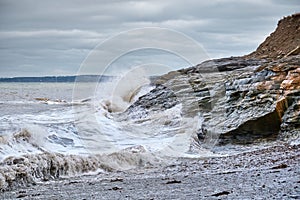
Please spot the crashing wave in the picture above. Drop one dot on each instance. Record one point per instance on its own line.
(16, 171)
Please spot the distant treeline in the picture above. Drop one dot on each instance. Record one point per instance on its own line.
(60, 79)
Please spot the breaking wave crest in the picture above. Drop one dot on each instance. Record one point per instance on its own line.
(16, 171)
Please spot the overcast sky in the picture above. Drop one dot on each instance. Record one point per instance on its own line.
(54, 37)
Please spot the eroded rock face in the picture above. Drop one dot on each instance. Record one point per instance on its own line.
(265, 108)
(241, 103)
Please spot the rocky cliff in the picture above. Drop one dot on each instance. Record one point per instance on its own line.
(240, 100)
(283, 42)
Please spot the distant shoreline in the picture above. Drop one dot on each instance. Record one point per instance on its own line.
(63, 79)
(58, 79)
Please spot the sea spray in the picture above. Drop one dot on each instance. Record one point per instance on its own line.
(119, 94)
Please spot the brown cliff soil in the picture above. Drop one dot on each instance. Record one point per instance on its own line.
(283, 42)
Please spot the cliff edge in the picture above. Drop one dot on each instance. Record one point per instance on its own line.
(283, 42)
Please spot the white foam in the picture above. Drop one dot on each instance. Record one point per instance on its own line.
(88, 137)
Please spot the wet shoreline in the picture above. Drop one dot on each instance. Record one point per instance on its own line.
(269, 173)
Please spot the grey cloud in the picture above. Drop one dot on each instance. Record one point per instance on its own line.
(50, 33)
(46, 37)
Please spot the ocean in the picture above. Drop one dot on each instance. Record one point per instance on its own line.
(63, 129)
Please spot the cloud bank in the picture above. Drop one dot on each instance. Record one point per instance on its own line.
(54, 37)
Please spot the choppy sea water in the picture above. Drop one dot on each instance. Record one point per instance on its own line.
(49, 130)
